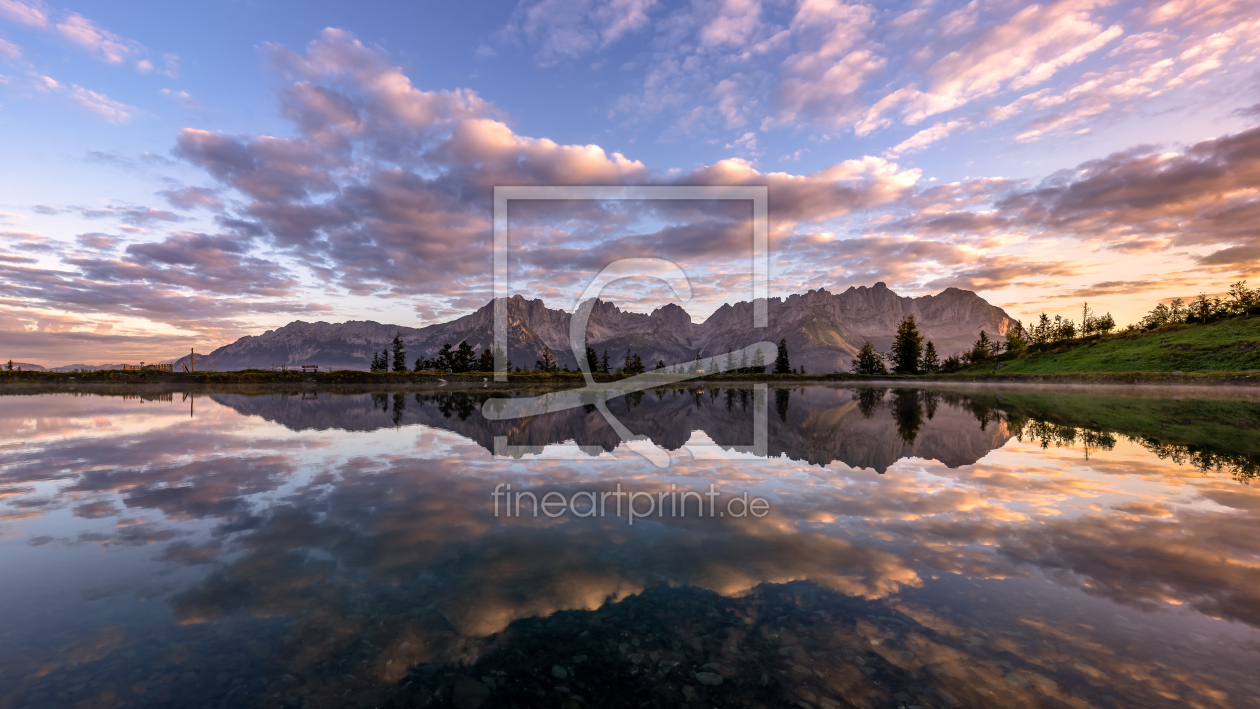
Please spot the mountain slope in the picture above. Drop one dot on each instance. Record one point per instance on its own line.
(824, 330)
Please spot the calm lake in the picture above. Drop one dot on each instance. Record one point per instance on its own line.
(834, 547)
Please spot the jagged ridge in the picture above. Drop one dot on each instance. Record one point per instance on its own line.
(824, 330)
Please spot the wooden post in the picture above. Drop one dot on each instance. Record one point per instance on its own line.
(192, 358)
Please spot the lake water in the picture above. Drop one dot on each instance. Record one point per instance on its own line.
(904, 548)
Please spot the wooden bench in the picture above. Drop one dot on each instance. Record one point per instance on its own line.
(310, 367)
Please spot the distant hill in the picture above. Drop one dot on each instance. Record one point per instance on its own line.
(24, 366)
(85, 367)
(823, 330)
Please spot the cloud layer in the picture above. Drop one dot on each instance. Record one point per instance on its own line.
(376, 200)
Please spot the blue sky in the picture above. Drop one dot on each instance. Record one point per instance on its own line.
(180, 175)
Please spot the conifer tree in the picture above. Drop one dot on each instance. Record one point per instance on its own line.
(869, 361)
(501, 361)
(907, 347)
(400, 354)
(982, 349)
(930, 362)
(547, 363)
(1014, 341)
(781, 363)
(759, 362)
(445, 358)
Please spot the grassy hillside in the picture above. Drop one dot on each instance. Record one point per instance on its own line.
(1227, 346)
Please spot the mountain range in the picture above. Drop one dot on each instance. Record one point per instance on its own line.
(823, 330)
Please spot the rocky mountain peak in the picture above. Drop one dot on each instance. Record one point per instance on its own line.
(823, 330)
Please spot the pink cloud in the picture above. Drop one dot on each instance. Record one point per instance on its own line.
(106, 45)
(31, 14)
(1026, 50)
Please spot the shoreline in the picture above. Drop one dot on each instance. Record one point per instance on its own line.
(263, 382)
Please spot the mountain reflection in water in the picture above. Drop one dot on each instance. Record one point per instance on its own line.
(818, 425)
(342, 551)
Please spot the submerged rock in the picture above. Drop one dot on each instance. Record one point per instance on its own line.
(469, 694)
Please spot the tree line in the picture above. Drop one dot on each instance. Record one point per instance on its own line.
(463, 358)
(459, 359)
(910, 355)
(1240, 300)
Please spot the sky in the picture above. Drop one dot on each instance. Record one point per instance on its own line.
(177, 175)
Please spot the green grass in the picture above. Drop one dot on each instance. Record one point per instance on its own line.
(1228, 346)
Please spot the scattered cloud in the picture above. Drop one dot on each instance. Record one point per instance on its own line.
(99, 42)
(25, 12)
(834, 58)
(560, 29)
(170, 66)
(183, 98)
(9, 50)
(98, 241)
(193, 197)
(135, 216)
(921, 140)
(103, 106)
(1023, 52)
(85, 34)
(1248, 112)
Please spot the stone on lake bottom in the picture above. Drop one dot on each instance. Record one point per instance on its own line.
(709, 679)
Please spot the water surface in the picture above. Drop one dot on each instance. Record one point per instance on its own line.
(921, 548)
